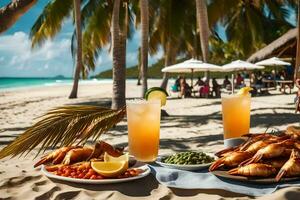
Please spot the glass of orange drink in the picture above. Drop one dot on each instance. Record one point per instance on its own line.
(143, 119)
(236, 117)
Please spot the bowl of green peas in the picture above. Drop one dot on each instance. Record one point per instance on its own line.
(188, 160)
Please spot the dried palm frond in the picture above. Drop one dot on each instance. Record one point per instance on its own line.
(64, 126)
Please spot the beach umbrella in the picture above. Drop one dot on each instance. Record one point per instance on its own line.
(239, 65)
(191, 66)
(274, 61)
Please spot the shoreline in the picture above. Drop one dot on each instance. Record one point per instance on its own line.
(62, 82)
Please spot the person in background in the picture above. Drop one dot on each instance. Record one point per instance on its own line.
(297, 99)
(259, 78)
(176, 86)
(185, 89)
(227, 83)
(216, 87)
(239, 81)
(289, 72)
(204, 91)
(199, 82)
(282, 75)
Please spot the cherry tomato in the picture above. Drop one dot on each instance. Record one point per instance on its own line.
(81, 175)
(93, 177)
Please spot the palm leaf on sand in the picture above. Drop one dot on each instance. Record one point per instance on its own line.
(64, 126)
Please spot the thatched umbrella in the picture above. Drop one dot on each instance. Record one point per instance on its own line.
(282, 46)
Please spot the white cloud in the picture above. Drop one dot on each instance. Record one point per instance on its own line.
(54, 57)
(51, 59)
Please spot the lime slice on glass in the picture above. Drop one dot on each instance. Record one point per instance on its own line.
(244, 91)
(157, 93)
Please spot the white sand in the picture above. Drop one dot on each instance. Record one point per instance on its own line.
(193, 124)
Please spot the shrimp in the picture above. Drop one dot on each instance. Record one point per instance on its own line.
(293, 132)
(254, 169)
(270, 151)
(253, 148)
(232, 160)
(276, 163)
(56, 156)
(291, 167)
(102, 147)
(252, 138)
(77, 155)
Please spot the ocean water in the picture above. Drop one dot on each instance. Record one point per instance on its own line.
(13, 83)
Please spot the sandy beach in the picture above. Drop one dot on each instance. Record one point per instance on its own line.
(192, 123)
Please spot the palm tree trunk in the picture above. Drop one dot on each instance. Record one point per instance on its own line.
(10, 13)
(297, 66)
(170, 57)
(202, 21)
(144, 6)
(79, 65)
(118, 96)
(123, 37)
(139, 67)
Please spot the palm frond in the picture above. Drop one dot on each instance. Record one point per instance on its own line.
(50, 21)
(64, 126)
(96, 34)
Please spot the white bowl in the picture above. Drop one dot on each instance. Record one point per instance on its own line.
(195, 167)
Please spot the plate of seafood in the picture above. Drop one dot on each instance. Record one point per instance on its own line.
(262, 158)
(101, 164)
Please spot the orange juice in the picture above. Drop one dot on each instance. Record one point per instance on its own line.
(143, 119)
(236, 115)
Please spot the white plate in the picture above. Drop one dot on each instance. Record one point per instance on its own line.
(138, 165)
(181, 167)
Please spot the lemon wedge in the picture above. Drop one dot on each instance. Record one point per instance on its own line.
(109, 158)
(157, 93)
(110, 169)
(244, 91)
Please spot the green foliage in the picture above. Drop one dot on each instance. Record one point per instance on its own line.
(250, 25)
(64, 126)
(154, 72)
(49, 23)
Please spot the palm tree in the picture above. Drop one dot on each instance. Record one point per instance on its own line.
(139, 66)
(79, 65)
(144, 6)
(49, 23)
(202, 21)
(170, 30)
(118, 96)
(246, 21)
(101, 27)
(10, 13)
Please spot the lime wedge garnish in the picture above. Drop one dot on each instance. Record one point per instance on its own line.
(157, 93)
(244, 90)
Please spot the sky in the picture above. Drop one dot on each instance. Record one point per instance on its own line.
(17, 59)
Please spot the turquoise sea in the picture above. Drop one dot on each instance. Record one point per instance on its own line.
(12, 83)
